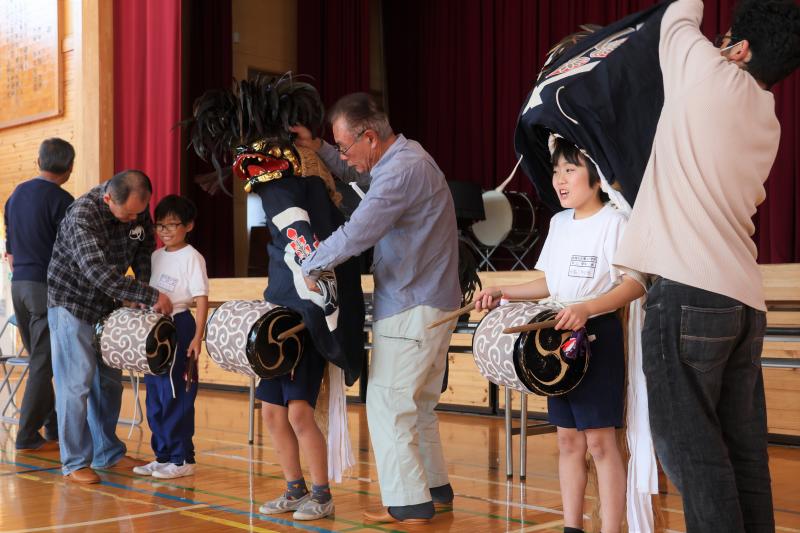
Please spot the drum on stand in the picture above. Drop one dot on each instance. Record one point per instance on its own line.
(510, 220)
(532, 362)
(136, 340)
(241, 337)
(551, 362)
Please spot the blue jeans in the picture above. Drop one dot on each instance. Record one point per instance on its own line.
(88, 395)
(702, 361)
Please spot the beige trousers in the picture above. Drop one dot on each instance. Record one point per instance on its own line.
(405, 381)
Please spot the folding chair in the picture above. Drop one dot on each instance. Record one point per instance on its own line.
(9, 410)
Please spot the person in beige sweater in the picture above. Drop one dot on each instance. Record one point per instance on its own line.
(691, 230)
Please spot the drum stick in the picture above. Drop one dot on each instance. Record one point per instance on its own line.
(361, 194)
(291, 331)
(191, 372)
(508, 179)
(458, 312)
(531, 327)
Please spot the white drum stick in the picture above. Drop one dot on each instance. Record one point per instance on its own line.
(358, 190)
(508, 179)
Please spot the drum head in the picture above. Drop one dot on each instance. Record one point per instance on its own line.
(540, 361)
(499, 219)
(269, 357)
(523, 223)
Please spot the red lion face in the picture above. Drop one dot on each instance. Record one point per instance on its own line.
(260, 162)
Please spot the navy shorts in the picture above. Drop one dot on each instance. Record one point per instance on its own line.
(598, 400)
(302, 384)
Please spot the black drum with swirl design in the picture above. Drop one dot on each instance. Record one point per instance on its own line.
(531, 362)
(269, 357)
(241, 337)
(136, 339)
(541, 363)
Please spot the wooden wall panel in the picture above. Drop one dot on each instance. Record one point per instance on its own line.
(19, 144)
(782, 388)
(87, 120)
(30, 39)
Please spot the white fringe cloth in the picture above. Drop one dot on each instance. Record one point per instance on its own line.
(642, 469)
(340, 452)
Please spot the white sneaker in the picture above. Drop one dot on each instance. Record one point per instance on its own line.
(313, 510)
(149, 468)
(282, 504)
(171, 470)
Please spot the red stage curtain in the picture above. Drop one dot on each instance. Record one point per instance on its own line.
(147, 91)
(150, 98)
(458, 71)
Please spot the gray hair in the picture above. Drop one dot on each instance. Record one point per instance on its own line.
(361, 112)
(121, 185)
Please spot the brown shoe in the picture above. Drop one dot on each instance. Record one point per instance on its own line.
(85, 475)
(126, 463)
(382, 516)
(442, 507)
(47, 446)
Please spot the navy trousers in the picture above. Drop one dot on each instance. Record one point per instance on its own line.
(171, 419)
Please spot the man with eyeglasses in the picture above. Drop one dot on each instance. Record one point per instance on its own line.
(104, 232)
(690, 230)
(408, 215)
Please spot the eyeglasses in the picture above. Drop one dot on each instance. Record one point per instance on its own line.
(720, 39)
(344, 152)
(168, 227)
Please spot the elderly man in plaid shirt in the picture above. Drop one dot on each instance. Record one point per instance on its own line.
(104, 232)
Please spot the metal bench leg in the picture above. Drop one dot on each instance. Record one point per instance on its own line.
(138, 414)
(523, 435)
(509, 451)
(251, 430)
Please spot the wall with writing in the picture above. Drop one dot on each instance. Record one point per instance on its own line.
(19, 144)
(30, 74)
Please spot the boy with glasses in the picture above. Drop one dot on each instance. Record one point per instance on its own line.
(179, 271)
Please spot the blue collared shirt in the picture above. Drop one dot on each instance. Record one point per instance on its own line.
(408, 215)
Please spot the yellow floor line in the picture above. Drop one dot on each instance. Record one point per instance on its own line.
(230, 523)
(555, 524)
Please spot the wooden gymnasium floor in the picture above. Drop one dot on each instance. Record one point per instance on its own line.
(233, 479)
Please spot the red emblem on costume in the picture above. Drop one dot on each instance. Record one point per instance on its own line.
(299, 244)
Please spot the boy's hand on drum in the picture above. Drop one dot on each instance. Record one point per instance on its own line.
(129, 303)
(484, 301)
(163, 305)
(312, 285)
(573, 317)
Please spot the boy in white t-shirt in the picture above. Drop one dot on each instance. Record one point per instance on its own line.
(179, 271)
(576, 259)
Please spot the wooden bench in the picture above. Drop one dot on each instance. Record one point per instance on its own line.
(469, 391)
